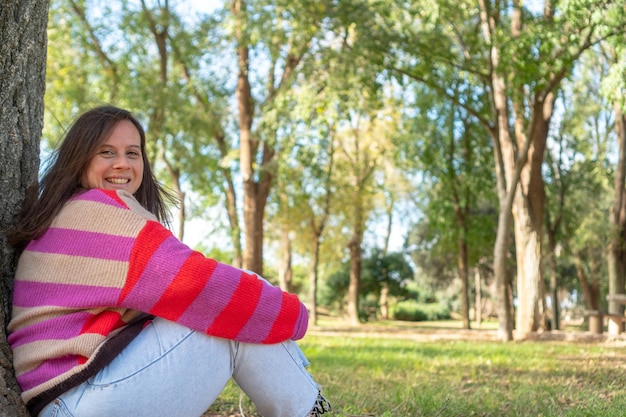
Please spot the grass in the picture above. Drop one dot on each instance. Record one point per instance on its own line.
(398, 376)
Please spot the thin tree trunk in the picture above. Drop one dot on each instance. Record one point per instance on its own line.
(591, 289)
(383, 300)
(463, 274)
(355, 275)
(317, 227)
(253, 250)
(554, 292)
(313, 281)
(506, 177)
(285, 272)
(479, 300)
(231, 206)
(356, 261)
(616, 253)
(257, 182)
(618, 222)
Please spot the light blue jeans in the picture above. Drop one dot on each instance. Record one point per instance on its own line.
(170, 371)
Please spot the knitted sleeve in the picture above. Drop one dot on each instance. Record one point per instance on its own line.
(168, 279)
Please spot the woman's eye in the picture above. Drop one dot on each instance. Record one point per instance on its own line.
(106, 153)
(134, 154)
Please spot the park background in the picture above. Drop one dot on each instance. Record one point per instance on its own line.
(390, 162)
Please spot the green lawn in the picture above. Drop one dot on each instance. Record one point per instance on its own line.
(389, 376)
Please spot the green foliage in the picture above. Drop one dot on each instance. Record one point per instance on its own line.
(392, 270)
(411, 310)
(401, 86)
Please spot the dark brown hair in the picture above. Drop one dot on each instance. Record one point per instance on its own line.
(62, 176)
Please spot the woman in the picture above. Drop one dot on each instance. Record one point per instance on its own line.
(114, 316)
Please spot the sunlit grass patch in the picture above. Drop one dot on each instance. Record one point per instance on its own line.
(390, 377)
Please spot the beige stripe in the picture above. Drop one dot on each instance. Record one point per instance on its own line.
(91, 216)
(65, 269)
(134, 204)
(25, 359)
(31, 355)
(28, 316)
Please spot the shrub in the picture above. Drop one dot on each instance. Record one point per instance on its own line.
(411, 310)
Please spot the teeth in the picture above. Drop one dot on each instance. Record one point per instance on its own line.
(118, 180)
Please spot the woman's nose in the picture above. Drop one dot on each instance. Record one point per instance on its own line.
(120, 161)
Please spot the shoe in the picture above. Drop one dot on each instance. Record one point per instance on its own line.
(322, 406)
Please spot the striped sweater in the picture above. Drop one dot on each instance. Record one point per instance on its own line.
(84, 289)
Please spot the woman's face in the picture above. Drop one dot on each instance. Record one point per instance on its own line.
(118, 163)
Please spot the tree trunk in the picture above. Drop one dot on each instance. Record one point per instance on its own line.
(463, 274)
(554, 291)
(356, 260)
(253, 249)
(313, 280)
(285, 272)
(528, 211)
(616, 253)
(506, 175)
(591, 289)
(355, 275)
(529, 281)
(23, 42)
(231, 205)
(503, 294)
(479, 301)
(384, 300)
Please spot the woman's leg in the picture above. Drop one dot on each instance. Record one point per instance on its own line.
(169, 370)
(275, 379)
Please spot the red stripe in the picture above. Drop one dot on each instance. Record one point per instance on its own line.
(185, 287)
(103, 323)
(236, 314)
(285, 322)
(148, 241)
(114, 196)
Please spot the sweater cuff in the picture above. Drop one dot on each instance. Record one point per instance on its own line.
(301, 324)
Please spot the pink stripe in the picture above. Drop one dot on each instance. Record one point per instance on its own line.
(80, 243)
(99, 197)
(212, 299)
(266, 312)
(37, 294)
(159, 272)
(58, 328)
(46, 371)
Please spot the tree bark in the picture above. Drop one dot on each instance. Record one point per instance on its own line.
(506, 176)
(591, 288)
(313, 277)
(355, 269)
(528, 211)
(23, 42)
(616, 253)
(479, 300)
(462, 264)
(285, 272)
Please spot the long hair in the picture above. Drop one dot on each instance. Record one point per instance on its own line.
(64, 170)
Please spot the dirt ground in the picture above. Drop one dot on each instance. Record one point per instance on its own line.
(436, 333)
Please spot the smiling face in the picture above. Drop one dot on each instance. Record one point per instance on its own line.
(118, 162)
